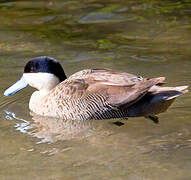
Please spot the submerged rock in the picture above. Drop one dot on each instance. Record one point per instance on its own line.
(101, 17)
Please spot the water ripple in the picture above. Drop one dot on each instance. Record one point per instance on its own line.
(153, 58)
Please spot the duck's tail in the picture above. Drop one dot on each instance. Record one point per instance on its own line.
(156, 101)
(169, 92)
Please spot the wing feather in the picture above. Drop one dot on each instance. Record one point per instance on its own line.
(118, 89)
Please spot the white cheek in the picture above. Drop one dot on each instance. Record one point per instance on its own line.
(41, 81)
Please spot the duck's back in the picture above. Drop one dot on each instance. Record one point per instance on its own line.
(96, 94)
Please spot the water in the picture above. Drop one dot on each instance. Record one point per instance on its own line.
(148, 38)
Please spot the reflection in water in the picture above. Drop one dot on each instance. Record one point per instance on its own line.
(50, 129)
(60, 129)
(23, 127)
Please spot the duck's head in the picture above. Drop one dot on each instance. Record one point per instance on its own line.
(42, 73)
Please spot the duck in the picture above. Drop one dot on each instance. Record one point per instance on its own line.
(93, 93)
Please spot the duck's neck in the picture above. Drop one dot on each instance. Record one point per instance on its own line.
(36, 100)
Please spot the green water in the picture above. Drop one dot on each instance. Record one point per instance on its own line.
(149, 38)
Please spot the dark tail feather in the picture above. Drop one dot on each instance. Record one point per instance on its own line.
(156, 101)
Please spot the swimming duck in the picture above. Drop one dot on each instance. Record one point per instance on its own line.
(93, 93)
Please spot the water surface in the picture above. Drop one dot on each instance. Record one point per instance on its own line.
(148, 38)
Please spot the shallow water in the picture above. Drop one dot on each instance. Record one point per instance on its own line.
(148, 38)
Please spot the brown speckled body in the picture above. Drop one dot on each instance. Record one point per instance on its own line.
(101, 94)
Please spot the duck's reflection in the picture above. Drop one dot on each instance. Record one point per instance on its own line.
(50, 129)
(60, 129)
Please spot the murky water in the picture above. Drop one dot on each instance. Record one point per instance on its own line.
(148, 38)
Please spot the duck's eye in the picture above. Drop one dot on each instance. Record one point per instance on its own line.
(29, 68)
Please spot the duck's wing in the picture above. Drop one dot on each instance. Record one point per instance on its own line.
(117, 89)
(106, 75)
(124, 95)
